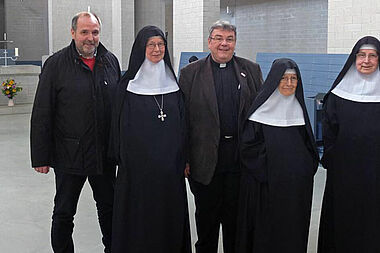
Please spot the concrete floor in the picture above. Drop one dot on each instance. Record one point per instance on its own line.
(26, 199)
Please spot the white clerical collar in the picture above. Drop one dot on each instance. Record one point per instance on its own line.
(359, 87)
(279, 110)
(153, 79)
(220, 65)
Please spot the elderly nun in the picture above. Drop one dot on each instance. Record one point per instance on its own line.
(350, 219)
(150, 210)
(279, 160)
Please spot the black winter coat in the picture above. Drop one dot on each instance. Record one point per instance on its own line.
(71, 113)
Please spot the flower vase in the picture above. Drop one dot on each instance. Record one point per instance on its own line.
(10, 102)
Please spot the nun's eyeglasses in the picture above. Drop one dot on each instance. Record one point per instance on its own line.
(292, 79)
(153, 45)
(363, 56)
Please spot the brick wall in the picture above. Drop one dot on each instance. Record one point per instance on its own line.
(278, 26)
(349, 20)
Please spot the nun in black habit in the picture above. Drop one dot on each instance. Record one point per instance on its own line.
(279, 160)
(150, 209)
(350, 217)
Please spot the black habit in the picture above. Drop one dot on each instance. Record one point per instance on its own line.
(350, 218)
(278, 166)
(150, 209)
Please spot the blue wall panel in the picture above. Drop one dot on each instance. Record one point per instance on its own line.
(185, 56)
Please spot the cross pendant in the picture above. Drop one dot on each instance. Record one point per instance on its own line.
(162, 116)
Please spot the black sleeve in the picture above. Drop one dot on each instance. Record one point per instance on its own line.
(311, 147)
(330, 128)
(41, 127)
(185, 86)
(184, 141)
(114, 140)
(253, 152)
(259, 81)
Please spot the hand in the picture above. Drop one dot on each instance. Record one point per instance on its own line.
(187, 170)
(42, 169)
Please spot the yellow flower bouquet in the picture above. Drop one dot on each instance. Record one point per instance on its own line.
(9, 88)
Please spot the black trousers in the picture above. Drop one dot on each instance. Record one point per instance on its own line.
(216, 203)
(68, 189)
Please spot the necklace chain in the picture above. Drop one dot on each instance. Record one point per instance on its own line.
(162, 102)
(161, 116)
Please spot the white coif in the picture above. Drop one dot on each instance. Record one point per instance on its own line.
(279, 110)
(153, 79)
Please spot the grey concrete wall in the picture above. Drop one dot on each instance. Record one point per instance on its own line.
(191, 21)
(2, 21)
(26, 76)
(27, 25)
(117, 24)
(149, 12)
(230, 6)
(297, 26)
(263, 25)
(128, 30)
(210, 16)
(169, 25)
(62, 13)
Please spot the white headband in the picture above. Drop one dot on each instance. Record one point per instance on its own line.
(290, 71)
(368, 46)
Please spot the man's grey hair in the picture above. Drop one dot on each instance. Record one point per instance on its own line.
(74, 21)
(223, 25)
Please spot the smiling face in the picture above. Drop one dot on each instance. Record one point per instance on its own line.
(155, 49)
(222, 45)
(367, 61)
(288, 84)
(86, 35)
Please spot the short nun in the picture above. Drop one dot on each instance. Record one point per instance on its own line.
(350, 217)
(150, 209)
(279, 160)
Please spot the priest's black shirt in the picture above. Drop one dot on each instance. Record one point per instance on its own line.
(227, 91)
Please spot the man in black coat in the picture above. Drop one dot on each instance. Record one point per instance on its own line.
(70, 127)
(219, 90)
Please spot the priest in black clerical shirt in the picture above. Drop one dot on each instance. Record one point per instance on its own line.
(218, 91)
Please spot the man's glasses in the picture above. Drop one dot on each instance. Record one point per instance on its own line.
(220, 39)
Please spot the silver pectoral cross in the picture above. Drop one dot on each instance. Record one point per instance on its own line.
(162, 116)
